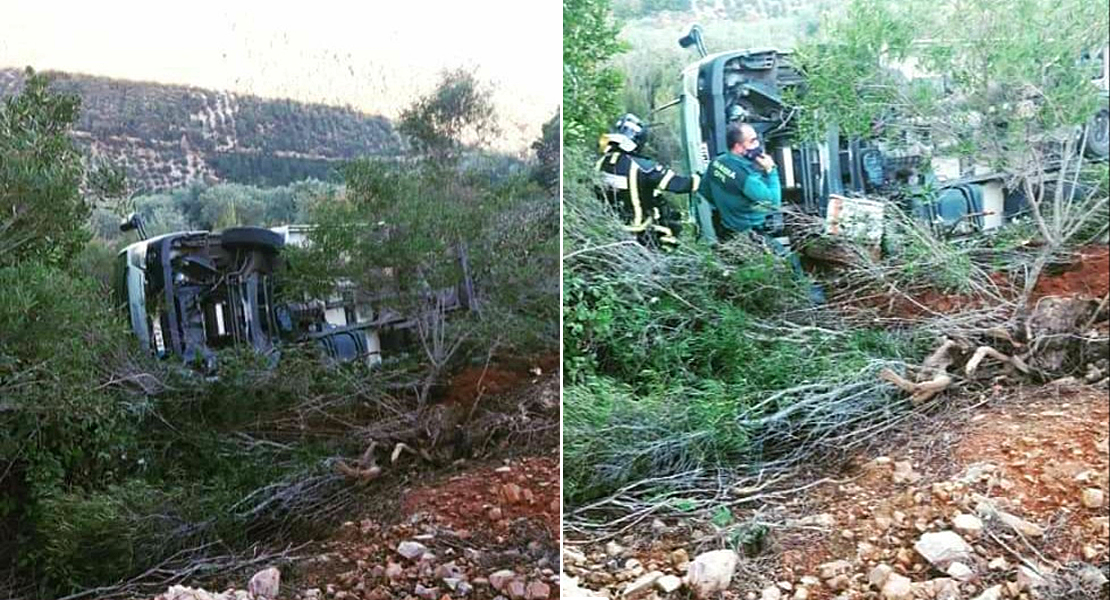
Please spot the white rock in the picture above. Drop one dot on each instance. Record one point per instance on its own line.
(878, 576)
(573, 556)
(642, 585)
(991, 593)
(897, 587)
(1028, 579)
(570, 590)
(801, 594)
(771, 593)
(265, 583)
(411, 550)
(966, 524)
(614, 549)
(960, 572)
(904, 473)
(668, 583)
(1092, 498)
(499, 580)
(943, 548)
(998, 564)
(711, 572)
(1020, 525)
(832, 569)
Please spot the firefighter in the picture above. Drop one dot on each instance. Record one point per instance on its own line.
(634, 184)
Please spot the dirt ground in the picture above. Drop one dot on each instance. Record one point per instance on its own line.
(1087, 276)
(1028, 463)
(480, 527)
(1030, 452)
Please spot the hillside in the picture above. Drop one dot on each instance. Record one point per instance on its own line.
(168, 136)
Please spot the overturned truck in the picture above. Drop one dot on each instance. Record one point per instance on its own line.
(753, 86)
(188, 294)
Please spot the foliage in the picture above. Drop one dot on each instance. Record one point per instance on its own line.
(215, 207)
(983, 86)
(42, 212)
(548, 151)
(236, 138)
(590, 87)
(457, 111)
(665, 354)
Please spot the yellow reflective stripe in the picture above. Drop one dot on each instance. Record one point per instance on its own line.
(666, 179)
(600, 162)
(635, 228)
(634, 190)
(614, 158)
(697, 181)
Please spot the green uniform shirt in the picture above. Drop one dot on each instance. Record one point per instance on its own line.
(743, 193)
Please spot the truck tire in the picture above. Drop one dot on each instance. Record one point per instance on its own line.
(252, 237)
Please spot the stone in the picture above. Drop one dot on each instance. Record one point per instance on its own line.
(642, 585)
(711, 572)
(658, 527)
(265, 583)
(1092, 498)
(771, 593)
(991, 593)
(968, 525)
(499, 580)
(878, 576)
(1103, 446)
(411, 550)
(427, 593)
(960, 572)
(838, 583)
(679, 558)
(393, 571)
(998, 564)
(897, 587)
(941, 588)
(668, 583)
(1028, 579)
(537, 590)
(832, 569)
(942, 548)
(904, 473)
(614, 549)
(1092, 577)
(1020, 525)
(516, 590)
(573, 556)
(801, 594)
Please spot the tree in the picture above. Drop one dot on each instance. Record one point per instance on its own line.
(548, 151)
(590, 87)
(459, 110)
(42, 212)
(1016, 98)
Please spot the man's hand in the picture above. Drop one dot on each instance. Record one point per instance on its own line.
(765, 162)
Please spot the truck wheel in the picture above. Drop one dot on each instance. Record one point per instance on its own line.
(252, 237)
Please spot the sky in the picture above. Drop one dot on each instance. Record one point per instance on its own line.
(375, 56)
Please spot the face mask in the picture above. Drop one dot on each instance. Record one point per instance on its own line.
(754, 153)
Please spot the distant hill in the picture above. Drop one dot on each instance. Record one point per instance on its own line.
(168, 136)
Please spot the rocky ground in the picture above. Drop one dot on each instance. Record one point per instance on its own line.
(480, 528)
(1006, 499)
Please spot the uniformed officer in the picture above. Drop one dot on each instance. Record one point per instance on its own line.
(743, 185)
(633, 184)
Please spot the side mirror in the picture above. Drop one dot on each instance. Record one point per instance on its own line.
(693, 38)
(134, 221)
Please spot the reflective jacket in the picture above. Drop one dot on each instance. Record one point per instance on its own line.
(633, 185)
